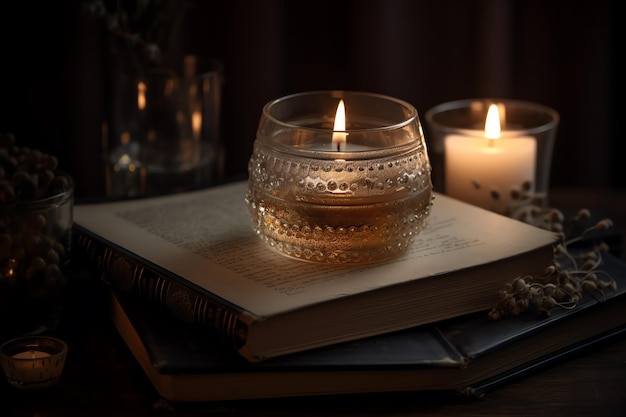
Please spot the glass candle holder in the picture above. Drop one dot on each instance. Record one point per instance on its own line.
(161, 128)
(470, 164)
(34, 361)
(339, 183)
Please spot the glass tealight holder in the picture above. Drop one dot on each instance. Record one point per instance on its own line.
(33, 361)
(494, 173)
(353, 193)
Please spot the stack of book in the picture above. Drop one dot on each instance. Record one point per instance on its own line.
(212, 313)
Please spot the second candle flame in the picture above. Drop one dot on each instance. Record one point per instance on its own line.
(339, 129)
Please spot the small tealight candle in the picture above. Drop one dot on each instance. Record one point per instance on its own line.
(33, 361)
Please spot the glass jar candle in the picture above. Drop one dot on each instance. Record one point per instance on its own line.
(339, 176)
(492, 169)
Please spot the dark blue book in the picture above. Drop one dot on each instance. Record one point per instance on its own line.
(468, 355)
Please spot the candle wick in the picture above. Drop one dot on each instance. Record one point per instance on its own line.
(490, 142)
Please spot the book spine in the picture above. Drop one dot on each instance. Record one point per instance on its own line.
(124, 272)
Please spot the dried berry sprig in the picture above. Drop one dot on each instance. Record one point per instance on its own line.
(528, 207)
(559, 285)
(571, 275)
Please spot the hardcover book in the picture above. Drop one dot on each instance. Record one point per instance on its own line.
(467, 355)
(197, 254)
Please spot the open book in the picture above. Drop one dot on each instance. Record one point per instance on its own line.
(466, 356)
(196, 253)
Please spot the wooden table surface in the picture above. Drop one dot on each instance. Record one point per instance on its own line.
(101, 377)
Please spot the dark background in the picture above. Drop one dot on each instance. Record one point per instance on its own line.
(560, 53)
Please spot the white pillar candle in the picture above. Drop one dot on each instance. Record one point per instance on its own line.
(482, 169)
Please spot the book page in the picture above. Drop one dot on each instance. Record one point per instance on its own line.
(207, 237)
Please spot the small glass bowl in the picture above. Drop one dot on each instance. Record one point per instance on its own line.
(35, 246)
(33, 361)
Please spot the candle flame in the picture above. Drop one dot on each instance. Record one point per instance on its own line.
(196, 123)
(141, 95)
(339, 129)
(492, 123)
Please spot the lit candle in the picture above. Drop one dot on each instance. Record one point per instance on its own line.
(196, 124)
(141, 95)
(31, 365)
(337, 139)
(352, 189)
(31, 354)
(482, 169)
(33, 362)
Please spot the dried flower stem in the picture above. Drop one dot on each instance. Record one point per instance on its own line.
(571, 275)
